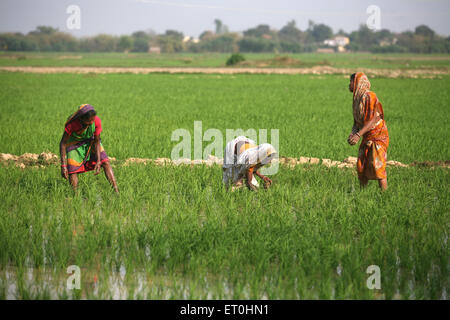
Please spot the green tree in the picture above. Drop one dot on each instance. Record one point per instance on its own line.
(259, 31)
(175, 35)
(321, 32)
(140, 44)
(44, 30)
(424, 31)
(291, 33)
(171, 41)
(218, 24)
(125, 43)
(251, 44)
(207, 35)
(224, 43)
(363, 38)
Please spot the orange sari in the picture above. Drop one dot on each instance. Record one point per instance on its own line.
(372, 155)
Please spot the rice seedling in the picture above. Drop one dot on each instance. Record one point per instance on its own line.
(175, 233)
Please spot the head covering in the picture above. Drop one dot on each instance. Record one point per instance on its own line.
(266, 153)
(361, 87)
(82, 110)
(262, 154)
(229, 156)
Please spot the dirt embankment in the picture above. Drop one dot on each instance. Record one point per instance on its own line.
(33, 160)
(316, 70)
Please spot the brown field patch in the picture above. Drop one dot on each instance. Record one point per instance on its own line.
(316, 70)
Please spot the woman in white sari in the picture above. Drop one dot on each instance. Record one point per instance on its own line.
(242, 160)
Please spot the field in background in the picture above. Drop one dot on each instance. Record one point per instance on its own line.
(341, 60)
(175, 232)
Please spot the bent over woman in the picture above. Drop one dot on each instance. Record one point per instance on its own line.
(81, 149)
(242, 160)
(368, 123)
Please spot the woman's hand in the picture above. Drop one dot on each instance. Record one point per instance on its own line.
(267, 182)
(64, 172)
(97, 168)
(353, 139)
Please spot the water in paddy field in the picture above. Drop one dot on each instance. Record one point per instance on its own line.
(120, 283)
(31, 283)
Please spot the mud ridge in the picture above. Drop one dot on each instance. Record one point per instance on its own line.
(33, 160)
(316, 70)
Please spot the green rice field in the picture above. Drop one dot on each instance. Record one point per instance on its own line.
(339, 60)
(174, 232)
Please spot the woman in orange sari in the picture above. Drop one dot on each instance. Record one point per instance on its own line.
(369, 124)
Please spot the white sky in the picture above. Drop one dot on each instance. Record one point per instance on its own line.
(192, 17)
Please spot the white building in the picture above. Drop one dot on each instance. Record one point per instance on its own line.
(190, 39)
(338, 41)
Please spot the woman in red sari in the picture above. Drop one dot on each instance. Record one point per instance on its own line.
(369, 124)
(81, 148)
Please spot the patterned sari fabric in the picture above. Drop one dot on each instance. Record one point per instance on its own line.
(372, 155)
(81, 155)
(252, 155)
(249, 155)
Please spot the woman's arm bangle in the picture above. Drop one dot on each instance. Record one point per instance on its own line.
(358, 134)
(64, 165)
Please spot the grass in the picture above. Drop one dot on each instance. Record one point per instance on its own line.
(140, 112)
(339, 60)
(177, 229)
(175, 232)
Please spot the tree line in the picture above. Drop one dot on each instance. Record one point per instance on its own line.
(262, 38)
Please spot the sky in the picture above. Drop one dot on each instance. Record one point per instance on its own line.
(192, 17)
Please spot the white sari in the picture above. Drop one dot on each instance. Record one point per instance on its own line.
(235, 172)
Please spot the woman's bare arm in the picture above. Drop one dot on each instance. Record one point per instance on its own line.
(97, 153)
(369, 125)
(355, 127)
(354, 138)
(62, 148)
(267, 180)
(63, 155)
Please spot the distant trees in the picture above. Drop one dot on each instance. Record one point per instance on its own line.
(250, 44)
(422, 40)
(220, 27)
(16, 42)
(140, 41)
(291, 33)
(260, 31)
(171, 41)
(222, 43)
(319, 32)
(261, 38)
(125, 44)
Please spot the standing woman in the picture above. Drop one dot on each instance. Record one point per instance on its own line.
(369, 124)
(80, 147)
